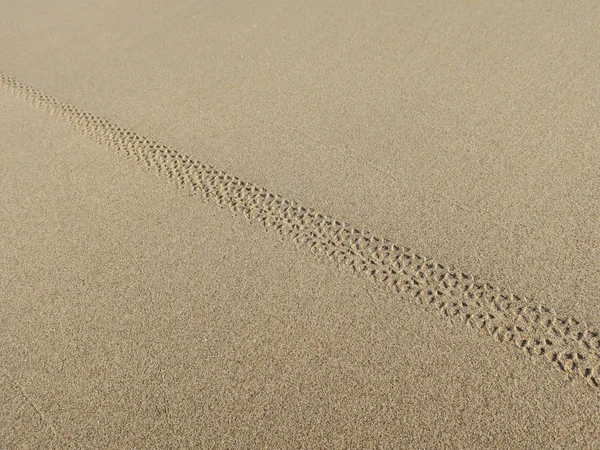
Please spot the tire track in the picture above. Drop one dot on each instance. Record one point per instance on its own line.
(568, 344)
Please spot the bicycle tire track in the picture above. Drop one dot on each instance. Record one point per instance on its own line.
(568, 344)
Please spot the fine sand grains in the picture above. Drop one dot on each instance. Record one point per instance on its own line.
(567, 343)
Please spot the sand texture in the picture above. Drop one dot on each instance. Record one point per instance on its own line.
(323, 225)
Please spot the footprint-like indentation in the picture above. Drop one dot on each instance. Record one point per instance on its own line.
(568, 344)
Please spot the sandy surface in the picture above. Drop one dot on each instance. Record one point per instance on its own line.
(136, 314)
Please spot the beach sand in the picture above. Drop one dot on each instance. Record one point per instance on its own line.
(323, 225)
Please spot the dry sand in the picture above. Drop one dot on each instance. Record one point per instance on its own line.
(137, 313)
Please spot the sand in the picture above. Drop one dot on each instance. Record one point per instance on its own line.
(324, 225)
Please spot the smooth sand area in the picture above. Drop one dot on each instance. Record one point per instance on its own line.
(134, 314)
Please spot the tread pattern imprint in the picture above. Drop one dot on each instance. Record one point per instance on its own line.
(568, 344)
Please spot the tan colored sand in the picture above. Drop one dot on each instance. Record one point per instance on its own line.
(134, 315)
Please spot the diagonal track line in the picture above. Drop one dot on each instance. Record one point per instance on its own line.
(568, 344)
